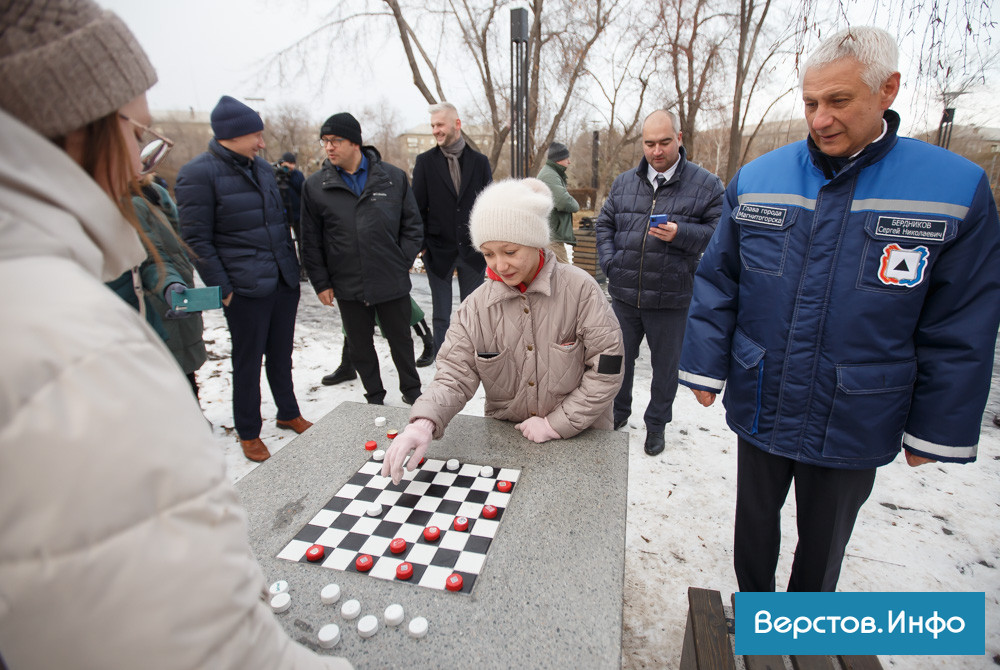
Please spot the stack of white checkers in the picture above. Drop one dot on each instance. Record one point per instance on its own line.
(368, 625)
(438, 522)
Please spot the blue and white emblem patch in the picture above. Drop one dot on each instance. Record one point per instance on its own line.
(902, 267)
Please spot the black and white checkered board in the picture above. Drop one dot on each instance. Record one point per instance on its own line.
(431, 495)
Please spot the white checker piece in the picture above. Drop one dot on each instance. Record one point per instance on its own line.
(429, 495)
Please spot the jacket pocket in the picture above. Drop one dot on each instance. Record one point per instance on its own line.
(869, 409)
(899, 250)
(764, 235)
(565, 368)
(241, 266)
(745, 382)
(498, 375)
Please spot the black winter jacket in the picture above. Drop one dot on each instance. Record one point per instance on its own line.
(361, 247)
(235, 224)
(643, 271)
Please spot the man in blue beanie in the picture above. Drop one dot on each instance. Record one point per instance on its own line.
(232, 216)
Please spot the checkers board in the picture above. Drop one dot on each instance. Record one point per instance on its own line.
(430, 495)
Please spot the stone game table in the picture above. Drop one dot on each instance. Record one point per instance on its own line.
(550, 592)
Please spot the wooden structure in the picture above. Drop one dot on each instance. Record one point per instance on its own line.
(585, 251)
(709, 645)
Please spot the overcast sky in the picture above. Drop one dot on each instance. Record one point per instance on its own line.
(203, 49)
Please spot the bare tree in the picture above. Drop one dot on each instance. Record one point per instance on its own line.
(695, 48)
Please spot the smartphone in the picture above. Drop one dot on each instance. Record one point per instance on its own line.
(196, 299)
(657, 219)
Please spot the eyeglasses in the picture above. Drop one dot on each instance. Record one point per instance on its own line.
(335, 141)
(153, 149)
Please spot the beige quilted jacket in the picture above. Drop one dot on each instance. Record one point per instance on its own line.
(554, 351)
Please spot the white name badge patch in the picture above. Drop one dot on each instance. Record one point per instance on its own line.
(902, 267)
(911, 229)
(761, 214)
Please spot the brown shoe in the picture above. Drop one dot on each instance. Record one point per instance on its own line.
(255, 450)
(298, 424)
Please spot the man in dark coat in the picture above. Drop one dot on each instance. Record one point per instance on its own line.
(360, 235)
(233, 219)
(446, 181)
(650, 263)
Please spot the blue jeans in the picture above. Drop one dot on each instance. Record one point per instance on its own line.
(469, 279)
(664, 331)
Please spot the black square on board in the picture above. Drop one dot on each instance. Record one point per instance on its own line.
(445, 558)
(407, 500)
(310, 533)
(419, 517)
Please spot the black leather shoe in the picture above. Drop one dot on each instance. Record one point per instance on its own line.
(410, 398)
(620, 423)
(654, 443)
(344, 373)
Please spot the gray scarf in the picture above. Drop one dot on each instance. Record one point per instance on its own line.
(452, 152)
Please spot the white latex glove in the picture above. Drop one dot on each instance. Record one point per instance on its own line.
(415, 437)
(537, 429)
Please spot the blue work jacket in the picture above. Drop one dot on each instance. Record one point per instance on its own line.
(850, 315)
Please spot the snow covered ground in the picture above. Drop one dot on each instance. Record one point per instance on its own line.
(935, 528)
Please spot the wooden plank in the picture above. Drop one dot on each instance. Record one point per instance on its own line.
(688, 659)
(711, 636)
(860, 662)
(813, 663)
(760, 662)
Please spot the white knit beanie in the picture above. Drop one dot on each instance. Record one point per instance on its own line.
(513, 210)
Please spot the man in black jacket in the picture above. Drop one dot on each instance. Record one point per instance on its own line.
(446, 181)
(650, 262)
(360, 235)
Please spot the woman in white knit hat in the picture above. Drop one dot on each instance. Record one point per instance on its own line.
(122, 543)
(540, 336)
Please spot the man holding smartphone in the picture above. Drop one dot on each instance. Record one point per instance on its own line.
(655, 223)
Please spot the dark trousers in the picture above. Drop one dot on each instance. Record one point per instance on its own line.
(469, 279)
(359, 327)
(262, 328)
(827, 501)
(664, 331)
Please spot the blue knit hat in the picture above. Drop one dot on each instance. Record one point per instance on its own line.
(231, 118)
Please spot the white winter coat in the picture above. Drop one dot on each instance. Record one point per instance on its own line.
(122, 543)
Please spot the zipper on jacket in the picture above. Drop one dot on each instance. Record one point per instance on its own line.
(642, 254)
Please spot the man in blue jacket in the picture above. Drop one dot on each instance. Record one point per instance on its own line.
(650, 263)
(849, 303)
(232, 217)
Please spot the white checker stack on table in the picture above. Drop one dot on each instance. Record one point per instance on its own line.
(430, 495)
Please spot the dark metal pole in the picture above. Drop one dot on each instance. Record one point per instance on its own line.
(595, 146)
(518, 92)
(944, 130)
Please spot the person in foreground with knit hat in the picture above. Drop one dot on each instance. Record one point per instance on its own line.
(122, 542)
(233, 218)
(539, 335)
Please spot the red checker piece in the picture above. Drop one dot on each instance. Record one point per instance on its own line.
(315, 553)
(432, 533)
(397, 546)
(461, 523)
(371, 445)
(364, 563)
(454, 582)
(504, 486)
(392, 434)
(404, 571)
(489, 512)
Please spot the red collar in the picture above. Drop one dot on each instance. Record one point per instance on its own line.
(522, 287)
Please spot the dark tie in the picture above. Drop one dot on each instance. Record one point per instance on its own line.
(660, 181)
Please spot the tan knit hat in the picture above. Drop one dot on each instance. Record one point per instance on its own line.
(513, 210)
(65, 63)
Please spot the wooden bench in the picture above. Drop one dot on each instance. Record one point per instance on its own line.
(709, 643)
